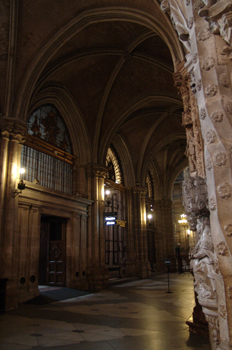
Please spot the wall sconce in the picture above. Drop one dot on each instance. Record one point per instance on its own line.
(21, 184)
(108, 201)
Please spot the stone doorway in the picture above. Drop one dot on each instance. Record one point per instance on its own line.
(52, 257)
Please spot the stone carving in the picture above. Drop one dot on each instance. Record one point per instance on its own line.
(177, 12)
(191, 153)
(204, 35)
(210, 136)
(195, 199)
(224, 190)
(222, 310)
(203, 264)
(211, 90)
(208, 63)
(224, 80)
(198, 5)
(220, 159)
(212, 203)
(190, 119)
(202, 113)
(229, 291)
(199, 85)
(213, 321)
(219, 16)
(13, 128)
(195, 56)
(209, 164)
(190, 23)
(187, 2)
(227, 104)
(222, 248)
(228, 229)
(217, 116)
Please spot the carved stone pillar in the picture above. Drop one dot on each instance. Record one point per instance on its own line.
(191, 122)
(140, 232)
(97, 274)
(13, 135)
(208, 27)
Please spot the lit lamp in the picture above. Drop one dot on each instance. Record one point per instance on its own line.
(107, 192)
(21, 184)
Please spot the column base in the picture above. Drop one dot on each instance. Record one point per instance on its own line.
(98, 278)
(143, 269)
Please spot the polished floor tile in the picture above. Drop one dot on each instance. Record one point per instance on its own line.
(138, 315)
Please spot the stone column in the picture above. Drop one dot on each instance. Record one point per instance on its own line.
(97, 273)
(208, 31)
(130, 241)
(13, 132)
(140, 232)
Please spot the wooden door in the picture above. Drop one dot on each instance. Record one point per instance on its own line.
(54, 248)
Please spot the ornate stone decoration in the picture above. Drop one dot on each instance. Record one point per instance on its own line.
(209, 164)
(227, 104)
(213, 321)
(211, 136)
(222, 310)
(202, 113)
(228, 229)
(211, 90)
(190, 118)
(199, 85)
(195, 56)
(222, 248)
(13, 128)
(198, 5)
(204, 35)
(187, 2)
(190, 22)
(212, 203)
(224, 80)
(208, 63)
(179, 19)
(220, 159)
(203, 264)
(224, 190)
(217, 116)
(229, 291)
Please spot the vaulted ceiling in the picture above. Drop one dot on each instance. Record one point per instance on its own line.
(115, 60)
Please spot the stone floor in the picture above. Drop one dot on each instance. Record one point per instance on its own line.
(138, 315)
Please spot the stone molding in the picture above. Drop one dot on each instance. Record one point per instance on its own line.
(13, 129)
(96, 170)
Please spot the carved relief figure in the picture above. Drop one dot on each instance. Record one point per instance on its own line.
(191, 152)
(203, 263)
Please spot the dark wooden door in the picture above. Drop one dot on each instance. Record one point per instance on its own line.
(54, 249)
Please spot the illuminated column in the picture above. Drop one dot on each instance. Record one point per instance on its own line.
(97, 273)
(13, 134)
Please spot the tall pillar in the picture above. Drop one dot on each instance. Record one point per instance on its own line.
(207, 27)
(97, 273)
(140, 232)
(13, 135)
(164, 238)
(130, 241)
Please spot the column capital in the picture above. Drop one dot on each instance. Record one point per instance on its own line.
(96, 170)
(141, 191)
(13, 129)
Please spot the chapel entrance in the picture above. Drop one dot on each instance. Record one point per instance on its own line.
(52, 251)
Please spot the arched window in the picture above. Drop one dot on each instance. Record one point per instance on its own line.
(47, 152)
(114, 167)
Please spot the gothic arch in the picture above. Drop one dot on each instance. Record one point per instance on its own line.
(71, 114)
